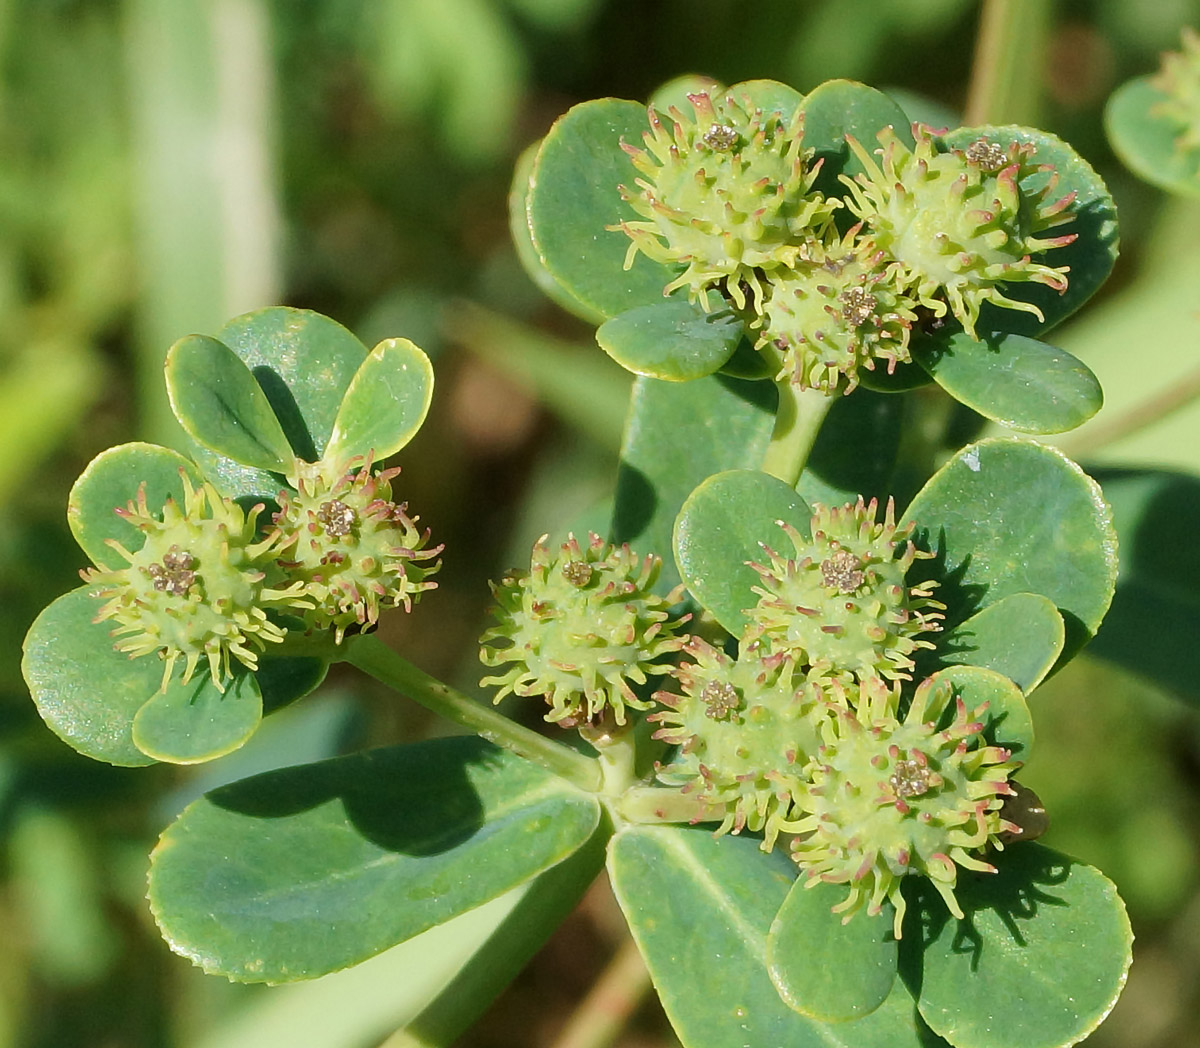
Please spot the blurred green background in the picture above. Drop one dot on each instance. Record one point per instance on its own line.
(165, 166)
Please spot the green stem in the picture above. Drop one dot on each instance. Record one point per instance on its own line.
(797, 422)
(374, 657)
(1010, 61)
(657, 804)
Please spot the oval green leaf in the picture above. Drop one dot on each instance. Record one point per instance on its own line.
(677, 434)
(385, 403)
(284, 679)
(1010, 516)
(1147, 141)
(699, 909)
(1093, 218)
(1020, 636)
(826, 969)
(673, 339)
(722, 527)
(86, 691)
(838, 108)
(1017, 381)
(194, 722)
(303, 871)
(304, 362)
(768, 95)
(1009, 723)
(518, 227)
(1039, 960)
(111, 481)
(573, 198)
(220, 405)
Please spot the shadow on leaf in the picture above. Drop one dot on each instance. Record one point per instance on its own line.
(417, 800)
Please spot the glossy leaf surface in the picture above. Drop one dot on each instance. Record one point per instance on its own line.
(304, 362)
(767, 95)
(838, 108)
(1094, 219)
(111, 481)
(1147, 141)
(699, 909)
(1010, 516)
(220, 405)
(518, 227)
(1039, 960)
(303, 871)
(385, 403)
(677, 435)
(86, 691)
(722, 527)
(1020, 636)
(573, 197)
(823, 968)
(1017, 381)
(194, 722)
(673, 340)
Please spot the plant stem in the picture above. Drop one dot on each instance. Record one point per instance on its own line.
(797, 422)
(605, 1011)
(374, 657)
(1010, 62)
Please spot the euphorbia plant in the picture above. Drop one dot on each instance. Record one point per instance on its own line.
(800, 712)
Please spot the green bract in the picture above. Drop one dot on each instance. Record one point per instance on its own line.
(959, 223)
(578, 628)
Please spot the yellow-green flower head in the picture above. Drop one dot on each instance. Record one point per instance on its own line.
(726, 193)
(578, 628)
(199, 587)
(745, 732)
(1179, 80)
(840, 603)
(958, 222)
(839, 308)
(888, 797)
(352, 548)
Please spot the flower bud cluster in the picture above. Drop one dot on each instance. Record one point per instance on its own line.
(579, 628)
(210, 581)
(726, 194)
(811, 733)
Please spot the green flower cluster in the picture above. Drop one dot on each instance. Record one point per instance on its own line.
(578, 627)
(210, 581)
(727, 193)
(811, 733)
